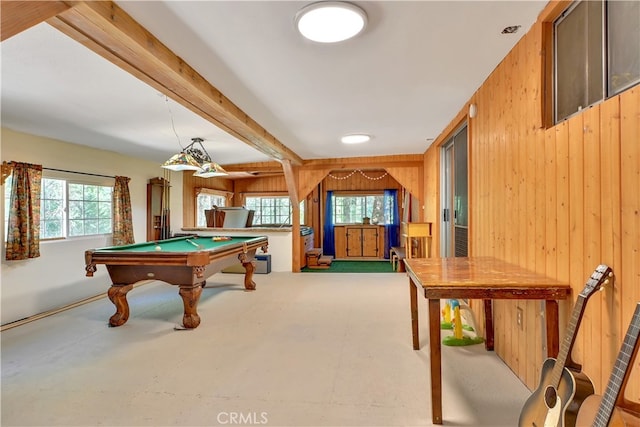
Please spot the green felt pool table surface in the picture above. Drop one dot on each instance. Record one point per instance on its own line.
(180, 244)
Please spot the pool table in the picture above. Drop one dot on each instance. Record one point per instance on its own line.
(183, 261)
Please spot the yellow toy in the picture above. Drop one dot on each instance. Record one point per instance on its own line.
(457, 323)
(458, 338)
(446, 316)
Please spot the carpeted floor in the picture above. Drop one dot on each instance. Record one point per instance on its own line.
(353, 267)
(303, 350)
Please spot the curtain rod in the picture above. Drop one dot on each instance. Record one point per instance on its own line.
(79, 173)
(7, 168)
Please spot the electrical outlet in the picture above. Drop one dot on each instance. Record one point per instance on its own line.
(519, 315)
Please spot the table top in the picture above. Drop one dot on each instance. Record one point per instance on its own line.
(183, 244)
(481, 277)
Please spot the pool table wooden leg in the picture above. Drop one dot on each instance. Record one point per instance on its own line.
(118, 296)
(190, 297)
(249, 284)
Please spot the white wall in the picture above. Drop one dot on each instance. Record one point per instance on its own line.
(57, 277)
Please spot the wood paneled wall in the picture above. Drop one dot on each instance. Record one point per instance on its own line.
(266, 185)
(557, 200)
(354, 181)
(402, 171)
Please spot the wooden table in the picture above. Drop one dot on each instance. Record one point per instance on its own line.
(475, 278)
(183, 261)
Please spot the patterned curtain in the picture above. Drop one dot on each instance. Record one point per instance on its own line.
(23, 234)
(122, 222)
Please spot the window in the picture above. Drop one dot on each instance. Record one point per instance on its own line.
(52, 218)
(272, 210)
(207, 199)
(352, 208)
(70, 209)
(596, 53)
(89, 209)
(623, 22)
(7, 203)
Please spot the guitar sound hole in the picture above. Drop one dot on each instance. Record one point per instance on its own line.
(550, 397)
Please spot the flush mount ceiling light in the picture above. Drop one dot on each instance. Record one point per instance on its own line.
(330, 21)
(355, 138)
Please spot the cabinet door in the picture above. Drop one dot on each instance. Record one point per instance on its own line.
(354, 242)
(370, 242)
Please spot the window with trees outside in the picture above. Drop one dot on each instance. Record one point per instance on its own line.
(207, 199)
(352, 208)
(70, 209)
(272, 210)
(596, 53)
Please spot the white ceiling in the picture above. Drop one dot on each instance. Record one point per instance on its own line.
(402, 80)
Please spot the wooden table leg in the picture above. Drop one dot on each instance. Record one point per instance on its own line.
(249, 284)
(118, 296)
(413, 292)
(553, 339)
(190, 297)
(488, 324)
(435, 360)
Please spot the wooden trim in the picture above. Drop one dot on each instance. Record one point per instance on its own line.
(546, 19)
(291, 179)
(553, 9)
(364, 163)
(61, 309)
(546, 84)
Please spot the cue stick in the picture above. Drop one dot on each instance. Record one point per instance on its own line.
(195, 244)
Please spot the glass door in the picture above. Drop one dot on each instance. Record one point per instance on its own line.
(455, 208)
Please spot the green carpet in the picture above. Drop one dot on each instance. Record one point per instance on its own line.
(354, 267)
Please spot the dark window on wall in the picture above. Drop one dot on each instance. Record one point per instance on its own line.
(596, 53)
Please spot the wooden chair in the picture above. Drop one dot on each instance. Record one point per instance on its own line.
(397, 254)
(418, 233)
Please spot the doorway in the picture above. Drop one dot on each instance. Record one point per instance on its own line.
(455, 208)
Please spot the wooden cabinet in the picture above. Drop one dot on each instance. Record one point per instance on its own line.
(158, 227)
(359, 241)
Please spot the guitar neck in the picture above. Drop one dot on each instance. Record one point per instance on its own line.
(568, 340)
(629, 347)
(598, 278)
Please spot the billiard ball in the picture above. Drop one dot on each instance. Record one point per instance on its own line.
(158, 248)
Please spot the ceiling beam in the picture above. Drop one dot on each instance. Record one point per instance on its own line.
(18, 16)
(365, 163)
(106, 29)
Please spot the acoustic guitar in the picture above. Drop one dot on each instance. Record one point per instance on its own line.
(560, 393)
(601, 411)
